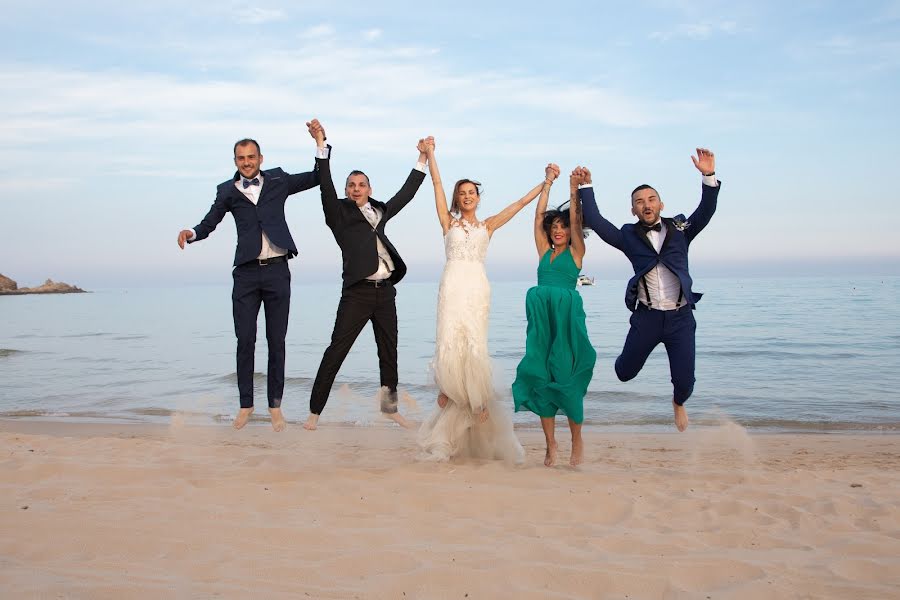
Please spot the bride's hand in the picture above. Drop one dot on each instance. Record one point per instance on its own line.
(551, 172)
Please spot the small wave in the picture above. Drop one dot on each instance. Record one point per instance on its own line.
(778, 354)
(135, 336)
(5, 352)
(85, 335)
(261, 378)
(33, 413)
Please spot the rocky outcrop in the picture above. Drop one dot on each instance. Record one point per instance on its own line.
(9, 287)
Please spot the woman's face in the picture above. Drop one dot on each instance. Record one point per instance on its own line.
(467, 197)
(559, 234)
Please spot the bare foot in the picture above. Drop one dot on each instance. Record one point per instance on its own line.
(311, 422)
(681, 418)
(277, 419)
(397, 418)
(577, 451)
(242, 417)
(550, 458)
(443, 399)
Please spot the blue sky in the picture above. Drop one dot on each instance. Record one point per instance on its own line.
(119, 122)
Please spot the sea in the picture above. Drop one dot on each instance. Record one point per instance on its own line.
(773, 355)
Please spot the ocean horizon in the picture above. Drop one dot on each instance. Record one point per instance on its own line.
(773, 354)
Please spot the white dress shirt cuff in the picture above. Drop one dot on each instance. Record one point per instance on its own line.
(323, 152)
(710, 180)
(581, 186)
(420, 166)
(193, 235)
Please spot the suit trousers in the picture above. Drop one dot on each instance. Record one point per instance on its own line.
(360, 303)
(269, 285)
(676, 330)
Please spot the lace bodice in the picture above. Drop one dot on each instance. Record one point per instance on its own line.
(465, 241)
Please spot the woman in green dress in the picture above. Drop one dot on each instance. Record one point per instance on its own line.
(553, 376)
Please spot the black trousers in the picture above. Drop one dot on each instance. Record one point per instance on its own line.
(269, 285)
(360, 303)
(676, 330)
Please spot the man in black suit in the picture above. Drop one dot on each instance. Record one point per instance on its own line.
(372, 267)
(261, 275)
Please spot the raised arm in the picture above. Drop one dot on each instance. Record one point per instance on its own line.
(440, 199)
(409, 189)
(576, 230)
(705, 162)
(298, 182)
(323, 166)
(500, 219)
(608, 232)
(551, 172)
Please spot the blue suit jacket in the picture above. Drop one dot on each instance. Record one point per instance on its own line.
(632, 240)
(252, 219)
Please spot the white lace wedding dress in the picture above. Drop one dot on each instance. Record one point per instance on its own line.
(461, 364)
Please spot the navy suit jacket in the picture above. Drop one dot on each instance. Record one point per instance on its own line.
(352, 231)
(632, 241)
(252, 219)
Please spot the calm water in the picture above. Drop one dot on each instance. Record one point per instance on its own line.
(783, 354)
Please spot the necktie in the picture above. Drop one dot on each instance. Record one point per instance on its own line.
(248, 182)
(649, 228)
(370, 215)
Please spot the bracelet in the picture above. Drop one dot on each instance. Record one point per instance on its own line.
(710, 174)
(548, 182)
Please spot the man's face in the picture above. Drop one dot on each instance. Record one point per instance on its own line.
(247, 160)
(646, 206)
(358, 189)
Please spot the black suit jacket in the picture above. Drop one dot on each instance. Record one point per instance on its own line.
(352, 231)
(252, 219)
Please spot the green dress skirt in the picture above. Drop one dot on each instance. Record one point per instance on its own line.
(554, 374)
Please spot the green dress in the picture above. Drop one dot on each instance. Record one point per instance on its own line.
(554, 374)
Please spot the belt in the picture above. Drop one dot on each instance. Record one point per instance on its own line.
(262, 262)
(376, 283)
(643, 306)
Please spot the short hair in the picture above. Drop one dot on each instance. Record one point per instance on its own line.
(246, 141)
(561, 213)
(454, 204)
(357, 172)
(643, 186)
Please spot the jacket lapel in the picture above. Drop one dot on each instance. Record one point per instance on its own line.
(670, 233)
(638, 231)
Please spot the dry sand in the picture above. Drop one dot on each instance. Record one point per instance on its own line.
(143, 511)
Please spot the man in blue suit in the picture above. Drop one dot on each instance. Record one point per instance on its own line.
(659, 295)
(261, 275)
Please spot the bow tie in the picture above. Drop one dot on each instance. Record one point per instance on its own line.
(248, 182)
(648, 228)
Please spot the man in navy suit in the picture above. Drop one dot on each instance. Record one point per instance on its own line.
(261, 275)
(659, 295)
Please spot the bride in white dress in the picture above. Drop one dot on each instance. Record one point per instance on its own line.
(468, 420)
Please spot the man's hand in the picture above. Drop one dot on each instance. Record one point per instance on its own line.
(183, 236)
(316, 131)
(705, 161)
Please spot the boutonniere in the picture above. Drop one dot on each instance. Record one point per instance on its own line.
(680, 222)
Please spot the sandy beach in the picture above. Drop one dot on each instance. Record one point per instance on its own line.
(144, 511)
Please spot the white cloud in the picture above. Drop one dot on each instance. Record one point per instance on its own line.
(372, 34)
(696, 31)
(255, 15)
(318, 31)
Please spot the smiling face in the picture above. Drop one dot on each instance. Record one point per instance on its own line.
(247, 159)
(560, 235)
(357, 188)
(467, 197)
(646, 205)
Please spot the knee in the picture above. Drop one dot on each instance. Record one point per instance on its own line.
(623, 372)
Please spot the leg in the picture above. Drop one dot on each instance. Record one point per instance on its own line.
(644, 335)
(680, 335)
(245, 301)
(548, 424)
(384, 326)
(276, 296)
(353, 312)
(577, 444)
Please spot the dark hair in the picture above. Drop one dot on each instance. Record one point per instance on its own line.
(454, 205)
(246, 141)
(357, 172)
(561, 213)
(643, 186)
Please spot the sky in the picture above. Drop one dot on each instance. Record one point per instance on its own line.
(119, 120)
